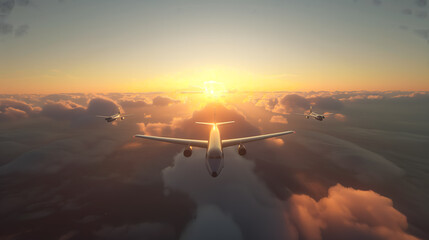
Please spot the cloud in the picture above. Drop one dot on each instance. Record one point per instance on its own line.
(294, 103)
(64, 110)
(347, 213)
(21, 30)
(53, 157)
(133, 103)
(291, 103)
(78, 98)
(407, 11)
(45, 163)
(163, 101)
(209, 220)
(421, 3)
(278, 119)
(377, 2)
(235, 195)
(272, 102)
(23, 2)
(423, 33)
(150, 231)
(326, 103)
(162, 129)
(10, 150)
(340, 117)
(276, 141)
(13, 113)
(422, 14)
(103, 106)
(186, 127)
(364, 165)
(5, 28)
(6, 7)
(11, 109)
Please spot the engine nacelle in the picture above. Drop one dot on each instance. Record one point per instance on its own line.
(122, 118)
(242, 150)
(188, 151)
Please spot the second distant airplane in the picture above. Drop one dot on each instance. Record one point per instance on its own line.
(114, 117)
(314, 115)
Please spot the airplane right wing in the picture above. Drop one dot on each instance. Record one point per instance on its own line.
(103, 116)
(189, 142)
(236, 141)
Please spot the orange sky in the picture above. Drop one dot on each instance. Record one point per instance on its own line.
(247, 46)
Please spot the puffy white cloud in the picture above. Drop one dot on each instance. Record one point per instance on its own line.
(212, 223)
(278, 119)
(163, 101)
(12, 109)
(347, 213)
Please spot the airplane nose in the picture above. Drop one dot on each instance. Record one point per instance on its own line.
(214, 174)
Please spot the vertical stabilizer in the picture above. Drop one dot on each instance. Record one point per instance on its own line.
(214, 115)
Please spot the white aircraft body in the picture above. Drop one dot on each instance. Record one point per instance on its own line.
(314, 115)
(114, 117)
(214, 146)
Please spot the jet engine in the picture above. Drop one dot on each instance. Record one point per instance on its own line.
(241, 150)
(122, 118)
(188, 151)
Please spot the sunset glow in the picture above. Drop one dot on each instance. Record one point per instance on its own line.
(214, 119)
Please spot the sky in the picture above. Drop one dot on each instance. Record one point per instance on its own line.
(51, 46)
(361, 173)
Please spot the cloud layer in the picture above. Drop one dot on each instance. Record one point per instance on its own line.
(355, 169)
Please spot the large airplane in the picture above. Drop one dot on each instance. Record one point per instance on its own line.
(114, 117)
(314, 115)
(214, 146)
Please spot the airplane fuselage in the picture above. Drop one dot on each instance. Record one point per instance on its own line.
(316, 116)
(214, 154)
(114, 118)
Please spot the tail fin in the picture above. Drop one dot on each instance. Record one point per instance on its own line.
(311, 108)
(213, 124)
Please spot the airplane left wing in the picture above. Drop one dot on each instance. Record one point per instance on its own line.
(236, 141)
(189, 142)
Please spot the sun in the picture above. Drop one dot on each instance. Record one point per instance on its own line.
(213, 89)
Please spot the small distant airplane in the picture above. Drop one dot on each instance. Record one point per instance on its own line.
(114, 117)
(214, 146)
(314, 115)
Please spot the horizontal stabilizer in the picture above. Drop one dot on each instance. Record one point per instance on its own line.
(212, 124)
(223, 123)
